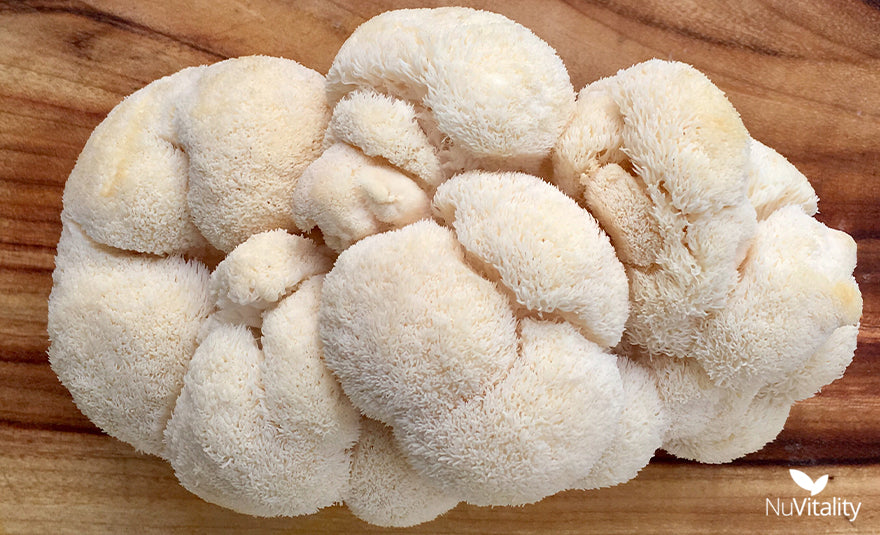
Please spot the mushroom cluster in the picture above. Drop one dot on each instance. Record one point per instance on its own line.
(439, 275)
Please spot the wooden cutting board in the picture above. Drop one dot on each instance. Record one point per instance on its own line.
(804, 75)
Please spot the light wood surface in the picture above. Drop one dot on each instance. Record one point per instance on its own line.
(805, 77)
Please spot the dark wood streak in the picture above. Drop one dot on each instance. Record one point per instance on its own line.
(665, 458)
(683, 31)
(101, 17)
(54, 428)
(680, 22)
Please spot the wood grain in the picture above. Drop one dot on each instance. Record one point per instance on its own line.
(804, 76)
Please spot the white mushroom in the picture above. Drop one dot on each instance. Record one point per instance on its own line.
(263, 269)
(491, 404)
(128, 187)
(741, 302)
(122, 329)
(349, 196)
(498, 93)
(384, 489)
(249, 126)
(264, 431)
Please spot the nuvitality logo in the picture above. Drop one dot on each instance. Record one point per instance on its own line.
(811, 506)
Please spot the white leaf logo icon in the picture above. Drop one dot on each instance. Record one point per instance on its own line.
(803, 481)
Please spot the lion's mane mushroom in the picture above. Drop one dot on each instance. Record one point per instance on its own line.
(350, 196)
(128, 187)
(490, 88)
(122, 328)
(459, 327)
(262, 427)
(741, 301)
(162, 353)
(250, 127)
(384, 489)
(485, 346)
(418, 95)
